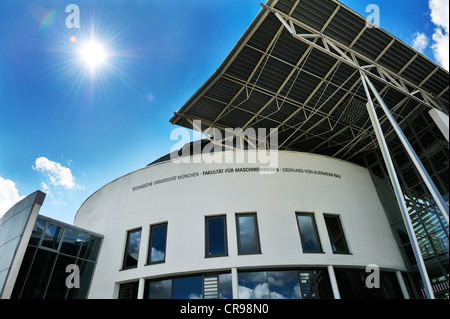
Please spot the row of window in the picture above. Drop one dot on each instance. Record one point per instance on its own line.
(216, 243)
(296, 283)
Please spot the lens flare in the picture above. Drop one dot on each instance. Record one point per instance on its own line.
(93, 54)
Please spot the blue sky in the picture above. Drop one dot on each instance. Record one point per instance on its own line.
(68, 132)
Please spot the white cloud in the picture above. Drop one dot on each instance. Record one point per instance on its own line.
(440, 17)
(57, 174)
(420, 41)
(9, 195)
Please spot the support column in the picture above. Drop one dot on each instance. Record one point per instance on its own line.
(401, 282)
(235, 283)
(443, 207)
(398, 191)
(141, 288)
(334, 284)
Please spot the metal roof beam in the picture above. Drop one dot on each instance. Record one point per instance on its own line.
(341, 48)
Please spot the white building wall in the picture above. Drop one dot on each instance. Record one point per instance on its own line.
(184, 203)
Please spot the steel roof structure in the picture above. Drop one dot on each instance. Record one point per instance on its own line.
(298, 68)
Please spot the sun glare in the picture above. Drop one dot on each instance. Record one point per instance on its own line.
(93, 54)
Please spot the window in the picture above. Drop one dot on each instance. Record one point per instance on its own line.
(308, 233)
(52, 236)
(247, 232)
(284, 284)
(336, 234)
(157, 247)
(216, 236)
(132, 249)
(129, 290)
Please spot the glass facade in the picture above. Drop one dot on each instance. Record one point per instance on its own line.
(202, 286)
(429, 225)
(52, 247)
(352, 285)
(157, 247)
(285, 284)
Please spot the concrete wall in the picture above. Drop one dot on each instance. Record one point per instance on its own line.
(325, 185)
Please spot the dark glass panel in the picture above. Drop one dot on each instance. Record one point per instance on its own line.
(23, 272)
(308, 233)
(128, 290)
(38, 230)
(336, 234)
(158, 243)
(248, 234)
(132, 249)
(90, 247)
(71, 242)
(52, 236)
(216, 236)
(161, 289)
(187, 288)
(57, 287)
(38, 277)
(86, 272)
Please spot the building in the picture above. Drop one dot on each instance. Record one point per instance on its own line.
(335, 172)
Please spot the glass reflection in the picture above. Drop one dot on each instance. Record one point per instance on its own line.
(187, 288)
(308, 233)
(132, 251)
(71, 242)
(161, 289)
(336, 234)
(248, 235)
(158, 243)
(52, 236)
(284, 285)
(253, 285)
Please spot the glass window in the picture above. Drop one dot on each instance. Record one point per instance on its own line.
(315, 284)
(336, 234)
(247, 230)
(284, 284)
(71, 242)
(57, 288)
(187, 288)
(308, 233)
(160, 289)
(129, 290)
(225, 287)
(157, 247)
(216, 236)
(253, 285)
(38, 230)
(52, 236)
(132, 249)
(90, 247)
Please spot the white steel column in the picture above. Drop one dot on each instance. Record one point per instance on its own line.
(235, 283)
(333, 281)
(443, 207)
(398, 191)
(141, 288)
(401, 282)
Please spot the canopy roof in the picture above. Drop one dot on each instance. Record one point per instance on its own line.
(297, 68)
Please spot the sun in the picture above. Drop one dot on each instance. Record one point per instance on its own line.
(93, 54)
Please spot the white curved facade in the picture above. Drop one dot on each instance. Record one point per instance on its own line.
(182, 195)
